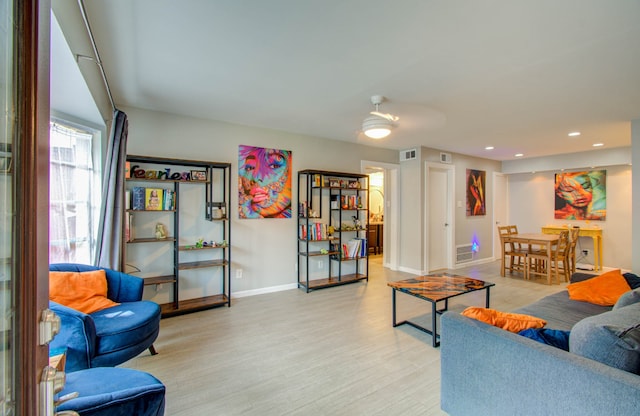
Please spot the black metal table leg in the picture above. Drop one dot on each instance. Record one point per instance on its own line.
(434, 323)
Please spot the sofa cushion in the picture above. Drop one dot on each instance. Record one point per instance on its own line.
(560, 312)
(83, 291)
(554, 337)
(602, 290)
(629, 298)
(512, 322)
(108, 391)
(612, 338)
(125, 325)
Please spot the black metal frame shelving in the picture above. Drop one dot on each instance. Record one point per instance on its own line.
(317, 192)
(213, 169)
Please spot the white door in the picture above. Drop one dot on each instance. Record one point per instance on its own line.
(439, 221)
(500, 203)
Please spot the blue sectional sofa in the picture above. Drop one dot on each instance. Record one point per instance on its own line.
(489, 371)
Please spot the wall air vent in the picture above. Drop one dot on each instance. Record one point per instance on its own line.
(464, 253)
(407, 155)
(445, 157)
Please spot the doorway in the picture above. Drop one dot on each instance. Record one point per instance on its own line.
(439, 216)
(385, 197)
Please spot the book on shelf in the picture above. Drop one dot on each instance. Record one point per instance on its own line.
(169, 200)
(137, 198)
(317, 231)
(128, 226)
(153, 199)
(127, 199)
(353, 248)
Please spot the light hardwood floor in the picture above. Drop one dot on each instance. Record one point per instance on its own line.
(329, 352)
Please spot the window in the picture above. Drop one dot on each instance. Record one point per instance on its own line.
(74, 199)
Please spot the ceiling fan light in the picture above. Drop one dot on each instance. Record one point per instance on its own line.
(376, 127)
(377, 133)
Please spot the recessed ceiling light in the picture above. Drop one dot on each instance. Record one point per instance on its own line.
(489, 148)
(519, 154)
(574, 133)
(598, 144)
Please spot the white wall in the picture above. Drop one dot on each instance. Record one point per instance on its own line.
(264, 248)
(413, 244)
(531, 206)
(635, 220)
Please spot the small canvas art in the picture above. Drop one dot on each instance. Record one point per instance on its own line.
(581, 195)
(199, 175)
(476, 191)
(264, 182)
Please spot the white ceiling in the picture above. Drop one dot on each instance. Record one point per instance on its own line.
(461, 74)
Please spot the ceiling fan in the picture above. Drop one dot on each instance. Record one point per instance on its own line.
(378, 125)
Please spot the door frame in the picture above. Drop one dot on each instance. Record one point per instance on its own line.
(450, 244)
(494, 218)
(30, 234)
(391, 224)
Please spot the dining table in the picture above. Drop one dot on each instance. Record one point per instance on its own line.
(531, 241)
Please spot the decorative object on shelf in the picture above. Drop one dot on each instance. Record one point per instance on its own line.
(161, 231)
(356, 223)
(264, 182)
(138, 198)
(199, 175)
(581, 195)
(153, 201)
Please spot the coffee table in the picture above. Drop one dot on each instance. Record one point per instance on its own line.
(436, 288)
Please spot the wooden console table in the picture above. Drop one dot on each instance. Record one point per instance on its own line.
(594, 233)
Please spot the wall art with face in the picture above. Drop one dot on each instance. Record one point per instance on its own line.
(264, 182)
(581, 195)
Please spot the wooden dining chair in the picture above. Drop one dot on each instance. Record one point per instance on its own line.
(514, 253)
(560, 257)
(574, 233)
(538, 260)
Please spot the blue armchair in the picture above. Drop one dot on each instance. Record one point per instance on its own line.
(111, 336)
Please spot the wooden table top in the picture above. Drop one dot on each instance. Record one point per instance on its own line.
(531, 237)
(437, 287)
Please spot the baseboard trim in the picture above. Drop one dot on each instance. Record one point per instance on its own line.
(473, 263)
(262, 291)
(412, 271)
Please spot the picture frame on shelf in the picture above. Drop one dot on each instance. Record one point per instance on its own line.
(199, 175)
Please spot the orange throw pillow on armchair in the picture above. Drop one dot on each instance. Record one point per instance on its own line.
(83, 291)
(601, 290)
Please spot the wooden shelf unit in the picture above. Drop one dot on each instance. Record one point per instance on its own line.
(327, 201)
(218, 186)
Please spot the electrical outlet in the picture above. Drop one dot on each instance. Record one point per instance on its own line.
(239, 274)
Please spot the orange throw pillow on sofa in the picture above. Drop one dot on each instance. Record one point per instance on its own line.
(83, 291)
(601, 290)
(512, 322)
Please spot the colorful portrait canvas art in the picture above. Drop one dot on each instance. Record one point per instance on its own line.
(581, 195)
(476, 192)
(264, 182)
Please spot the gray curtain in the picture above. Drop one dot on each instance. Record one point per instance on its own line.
(109, 247)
